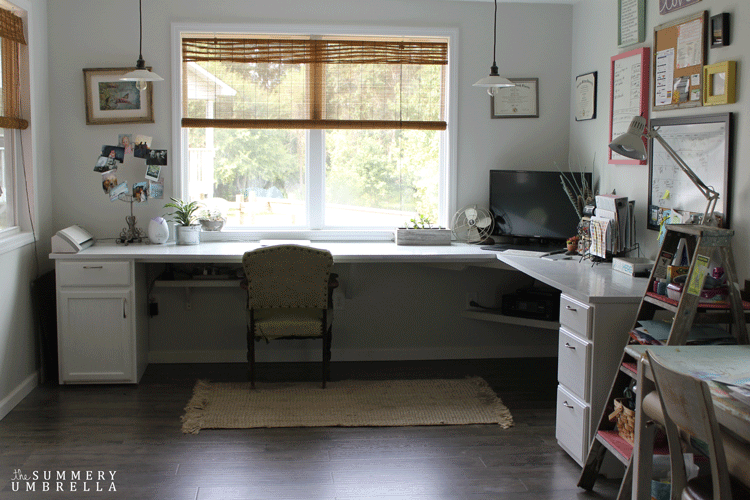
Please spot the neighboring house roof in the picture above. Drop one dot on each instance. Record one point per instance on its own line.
(204, 85)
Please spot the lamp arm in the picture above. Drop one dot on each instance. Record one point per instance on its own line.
(711, 195)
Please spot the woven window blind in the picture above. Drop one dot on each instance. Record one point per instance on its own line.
(303, 83)
(11, 35)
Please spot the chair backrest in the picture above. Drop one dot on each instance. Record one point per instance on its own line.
(287, 276)
(686, 403)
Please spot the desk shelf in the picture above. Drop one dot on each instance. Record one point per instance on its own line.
(498, 317)
(200, 283)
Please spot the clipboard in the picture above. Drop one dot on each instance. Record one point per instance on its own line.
(679, 57)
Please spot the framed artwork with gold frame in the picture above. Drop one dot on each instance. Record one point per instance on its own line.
(111, 100)
(719, 83)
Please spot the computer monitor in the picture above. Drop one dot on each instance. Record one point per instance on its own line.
(531, 206)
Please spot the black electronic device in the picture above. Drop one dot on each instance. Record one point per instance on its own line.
(531, 206)
(533, 303)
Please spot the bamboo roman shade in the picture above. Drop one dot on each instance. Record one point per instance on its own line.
(304, 83)
(11, 35)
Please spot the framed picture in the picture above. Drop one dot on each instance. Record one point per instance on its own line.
(719, 83)
(586, 96)
(109, 100)
(628, 96)
(631, 25)
(521, 101)
(719, 30)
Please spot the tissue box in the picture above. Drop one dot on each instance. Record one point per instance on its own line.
(632, 265)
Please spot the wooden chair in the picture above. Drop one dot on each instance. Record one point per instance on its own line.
(687, 413)
(288, 298)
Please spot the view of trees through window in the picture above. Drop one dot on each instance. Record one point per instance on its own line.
(258, 177)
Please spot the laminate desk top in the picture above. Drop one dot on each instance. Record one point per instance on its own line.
(584, 281)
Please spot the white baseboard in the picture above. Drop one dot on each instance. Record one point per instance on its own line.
(16, 395)
(301, 355)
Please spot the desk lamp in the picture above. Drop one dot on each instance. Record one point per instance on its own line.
(630, 144)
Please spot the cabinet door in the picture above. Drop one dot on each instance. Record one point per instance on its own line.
(96, 336)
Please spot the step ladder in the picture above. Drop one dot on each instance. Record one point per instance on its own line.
(703, 244)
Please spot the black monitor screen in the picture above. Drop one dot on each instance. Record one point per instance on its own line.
(532, 204)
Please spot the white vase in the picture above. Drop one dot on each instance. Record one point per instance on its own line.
(158, 230)
(188, 235)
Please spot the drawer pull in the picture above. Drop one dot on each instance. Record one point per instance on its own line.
(571, 308)
(93, 267)
(567, 405)
(570, 346)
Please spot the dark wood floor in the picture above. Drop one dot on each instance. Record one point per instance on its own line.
(134, 432)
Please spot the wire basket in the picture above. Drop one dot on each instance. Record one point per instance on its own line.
(625, 420)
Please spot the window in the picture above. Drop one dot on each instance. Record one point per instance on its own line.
(11, 37)
(300, 132)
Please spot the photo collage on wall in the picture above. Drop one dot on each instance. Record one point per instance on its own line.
(140, 147)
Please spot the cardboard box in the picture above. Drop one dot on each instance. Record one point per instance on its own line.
(632, 265)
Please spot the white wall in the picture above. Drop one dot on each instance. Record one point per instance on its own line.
(594, 43)
(18, 267)
(387, 303)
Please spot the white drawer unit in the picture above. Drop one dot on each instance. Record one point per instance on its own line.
(102, 330)
(572, 424)
(574, 363)
(591, 340)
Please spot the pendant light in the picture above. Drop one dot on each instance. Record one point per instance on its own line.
(141, 75)
(494, 81)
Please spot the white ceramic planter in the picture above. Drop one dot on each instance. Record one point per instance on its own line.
(189, 235)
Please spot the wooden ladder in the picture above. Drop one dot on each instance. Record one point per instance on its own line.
(702, 244)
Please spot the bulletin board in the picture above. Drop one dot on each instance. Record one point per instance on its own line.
(628, 96)
(705, 144)
(679, 57)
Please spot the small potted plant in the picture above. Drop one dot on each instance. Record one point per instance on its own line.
(188, 232)
(421, 232)
(211, 220)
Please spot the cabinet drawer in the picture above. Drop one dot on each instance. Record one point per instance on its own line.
(571, 425)
(573, 364)
(575, 316)
(92, 273)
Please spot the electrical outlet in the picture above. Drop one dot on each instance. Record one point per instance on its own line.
(470, 296)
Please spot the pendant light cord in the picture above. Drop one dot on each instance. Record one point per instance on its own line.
(494, 38)
(140, 27)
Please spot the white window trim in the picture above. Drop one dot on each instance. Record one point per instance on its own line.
(448, 153)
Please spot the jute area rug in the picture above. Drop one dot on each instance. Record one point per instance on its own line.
(349, 403)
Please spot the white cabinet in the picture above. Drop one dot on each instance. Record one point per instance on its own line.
(592, 337)
(102, 331)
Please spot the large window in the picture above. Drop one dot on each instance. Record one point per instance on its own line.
(300, 132)
(11, 38)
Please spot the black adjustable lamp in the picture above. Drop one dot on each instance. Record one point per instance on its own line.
(630, 144)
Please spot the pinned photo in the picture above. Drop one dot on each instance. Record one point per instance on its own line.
(118, 191)
(109, 180)
(156, 189)
(157, 157)
(142, 146)
(140, 191)
(126, 141)
(105, 164)
(153, 171)
(116, 152)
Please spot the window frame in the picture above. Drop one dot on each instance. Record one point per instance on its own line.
(19, 146)
(447, 184)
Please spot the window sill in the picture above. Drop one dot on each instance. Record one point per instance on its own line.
(14, 239)
(312, 235)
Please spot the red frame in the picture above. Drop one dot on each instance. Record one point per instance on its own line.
(645, 55)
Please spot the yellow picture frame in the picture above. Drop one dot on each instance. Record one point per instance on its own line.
(719, 83)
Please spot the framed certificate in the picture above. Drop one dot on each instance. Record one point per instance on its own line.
(586, 96)
(521, 101)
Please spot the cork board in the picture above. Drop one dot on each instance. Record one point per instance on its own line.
(679, 57)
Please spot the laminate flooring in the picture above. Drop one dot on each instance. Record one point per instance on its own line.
(133, 432)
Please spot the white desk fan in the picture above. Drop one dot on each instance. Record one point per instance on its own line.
(472, 224)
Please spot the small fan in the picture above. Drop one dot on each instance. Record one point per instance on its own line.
(472, 224)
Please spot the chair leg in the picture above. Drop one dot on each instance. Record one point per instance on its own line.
(327, 356)
(251, 357)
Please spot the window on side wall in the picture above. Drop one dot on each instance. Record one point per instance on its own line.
(299, 133)
(11, 122)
